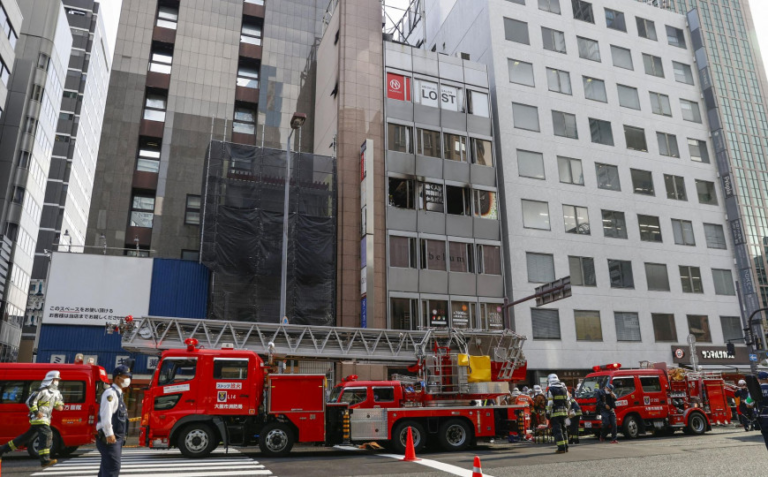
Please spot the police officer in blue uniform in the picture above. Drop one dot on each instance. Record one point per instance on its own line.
(762, 410)
(113, 423)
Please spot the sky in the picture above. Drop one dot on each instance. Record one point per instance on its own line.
(110, 9)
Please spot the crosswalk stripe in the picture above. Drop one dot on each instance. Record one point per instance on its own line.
(164, 466)
(145, 469)
(164, 461)
(155, 474)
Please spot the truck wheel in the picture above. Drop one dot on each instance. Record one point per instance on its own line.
(697, 425)
(276, 439)
(32, 449)
(400, 436)
(631, 428)
(197, 440)
(454, 435)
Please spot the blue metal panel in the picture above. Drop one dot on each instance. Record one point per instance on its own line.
(179, 289)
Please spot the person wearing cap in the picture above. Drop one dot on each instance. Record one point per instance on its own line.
(745, 412)
(606, 404)
(762, 409)
(575, 416)
(558, 407)
(112, 425)
(41, 404)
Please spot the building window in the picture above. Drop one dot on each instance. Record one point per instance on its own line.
(552, 6)
(571, 171)
(615, 20)
(664, 329)
(399, 138)
(245, 121)
(255, 2)
(167, 17)
(520, 72)
(582, 11)
(683, 73)
(614, 224)
(675, 187)
(517, 31)
(428, 142)
(660, 104)
(545, 324)
(653, 65)
(488, 259)
(535, 215)
(149, 156)
(635, 138)
(601, 131)
(650, 229)
(154, 109)
(594, 89)
(607, 177)
(588, 49)
(482, 152)
(461, 257)
(642, 182)
(433, 255)
(564, 124)
(715, 236)
(622, 57)
(683, 232)
(559, 81)
(628, 97)
(731, 328)
(485, 204)
(582, 270)
(530, 164)
(646, 28)
(620, 272)
(667, 144)
(525, 117)
(248, 77)
(402, 193)
(192, 213)
(477, 104)
(690, 277)
(458, 200)
(723, 282)
(427, 93)
(431, 197)
(161, 60)
(402, 252)
(553, 40)
(142, 211)
(462, 316)
(190, 255)
(18, 195)
(698, 326)
(691, 111)
(698, 150)
(576, 220)
(676, 37)
(706, 191)
(541, 267)
(657, 277)
(251, 33)
(455, 147)
(403, 314)
(588, 326)
(491, 316)
(627, 326)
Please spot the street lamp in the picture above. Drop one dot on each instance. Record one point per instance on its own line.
(297, 121)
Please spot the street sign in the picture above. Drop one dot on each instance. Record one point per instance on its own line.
(553, 291)
(753, 357)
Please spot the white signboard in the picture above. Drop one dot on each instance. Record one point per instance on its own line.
(447, 97)
(121, 359)
(58, 359)
(427, 93)
(96, 289)
(152, 362)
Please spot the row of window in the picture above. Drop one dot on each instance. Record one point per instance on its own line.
(5, 73)
(545, 325)
(436, 197)
(8, 30)
(406, 314)
(143, 210)
(444, 96)
(442, 255)
(452, 146)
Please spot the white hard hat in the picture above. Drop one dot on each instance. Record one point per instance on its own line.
(49, 378)
(742, 382)
(515, 392)
(536, 388)
(552, 378)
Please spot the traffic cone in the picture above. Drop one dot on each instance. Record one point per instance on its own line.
(477, 470)
(410, 452)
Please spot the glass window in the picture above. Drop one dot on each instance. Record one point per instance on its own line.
(545, 324)
(530, 164)
(582, 11)
(683, 73)
(607, 177)
(402, 252)
(571, 171)
(167, 17)
(601, 131)
(698, 326)
(520, 72)
(176, 370)
(403, 314)
(143, 203)
(622, 57)
(646, 28)
(433, 255)
(245, 121)
(491, 316)
(251, 33)
(706, 191)
(458, 200)
(664, 327)
(192, 212)
(517, 31)
(461, 257)
(141, 219)
(485, 205)
(627, 327)
(657, 277)
(582, 271)
(715, 236)
(482, 152)
(614, 224)
(623, 385)
(650, 384)
(690, 278)
(635, 138)
(594, 89)
(576, 220)
(660, 104)
(428, 142)
(402, 193)
(676, 37)
(675, 187)
(559, 81)
(698, 150)
(615, 20)
(620, 272)
(683, 232)
(488, 259)
(427, 93)
(588, 327)
(455, 147)
(383, 394)
(399, 138)
(731, 328)
(461, 315)
(541, 267)
(12, 392)
(248, 77)
(535, 215)
(653, 65)
(650, 229)
(628, 97)
(552, 6)
(723, 282)
(588, 49)
(235, 369)
(554, 40)
(354, 396)
(667, 144)
(525, 117)
(154, 115)
(691, 111)
(477, 104)
(642, 182)
(564, 124)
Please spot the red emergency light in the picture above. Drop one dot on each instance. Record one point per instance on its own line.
(128, 319)
(351, 377)
(191, 343)
(606, 367)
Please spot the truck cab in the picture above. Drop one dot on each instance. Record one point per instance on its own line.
(367, 394)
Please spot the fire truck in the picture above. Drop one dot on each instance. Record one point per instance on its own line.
(653, 398)
(212, 387)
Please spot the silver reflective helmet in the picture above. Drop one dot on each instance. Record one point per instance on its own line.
(48, 381)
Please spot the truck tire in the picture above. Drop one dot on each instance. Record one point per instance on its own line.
(400, 436)
(55, 446)
(631, 427)
(697, 424)
(276, 439)
(197, 440)
(454, 435)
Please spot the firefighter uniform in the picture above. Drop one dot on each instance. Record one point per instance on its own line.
(41, 405)
(557, 408)
(606, 402)
(113, 421)
(575, 416)
(762, 411)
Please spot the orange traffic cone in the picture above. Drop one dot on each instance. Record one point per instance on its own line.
(477, 471)
(410, 452)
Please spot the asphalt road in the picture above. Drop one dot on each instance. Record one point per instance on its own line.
(725, 451)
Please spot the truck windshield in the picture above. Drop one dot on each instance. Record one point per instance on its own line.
(335, 394)
(176, 371)
(590, 386)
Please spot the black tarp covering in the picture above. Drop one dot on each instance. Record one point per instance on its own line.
(242, 235)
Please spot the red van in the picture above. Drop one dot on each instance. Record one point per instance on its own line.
(81, 386)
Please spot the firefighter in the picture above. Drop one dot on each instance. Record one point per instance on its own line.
(762, 410)
(523, 399)
(745, 412)
(575, 416)
(606, 402)
(113, 423)
(41, 405)
(539, 407)
(558, 407)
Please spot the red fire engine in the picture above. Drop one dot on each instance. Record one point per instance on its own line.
(653, 398)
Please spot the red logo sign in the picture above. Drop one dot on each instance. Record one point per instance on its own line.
(398, 87)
